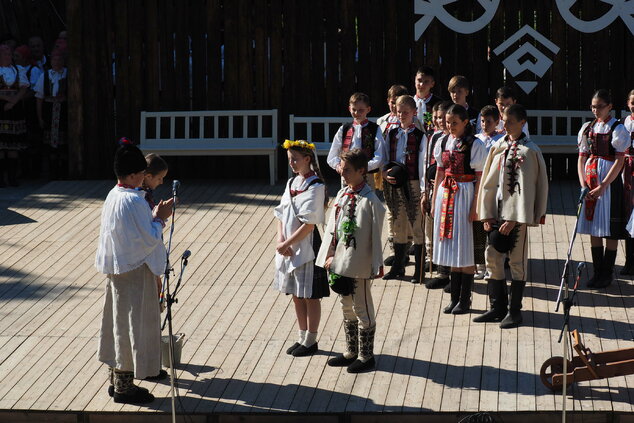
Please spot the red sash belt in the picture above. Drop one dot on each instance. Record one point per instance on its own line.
(592, 181)
(448, 199)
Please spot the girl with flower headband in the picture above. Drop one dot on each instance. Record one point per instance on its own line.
(301, 209)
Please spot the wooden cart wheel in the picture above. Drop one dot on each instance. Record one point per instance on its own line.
(552, 366)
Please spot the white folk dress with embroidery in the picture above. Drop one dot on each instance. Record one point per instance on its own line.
(457, 251)
(9, 73)
(54, 77)
(131, 252)
(599, 226)
(294, 274)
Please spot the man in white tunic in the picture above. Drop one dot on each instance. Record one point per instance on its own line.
(131, 253)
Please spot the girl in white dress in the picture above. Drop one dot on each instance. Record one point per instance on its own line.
(300, 210)
(460, 157)
(602, 144)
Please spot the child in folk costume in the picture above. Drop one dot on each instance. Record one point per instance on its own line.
(360, 133)
(489, 119)
(13, 87)
(442, 272)
(386, 123)
(424, 82)
(513, 196)
(299, 212)
(504, 97)
(405, 176)
(52, 112)
(602, 145)
(628, 184)
(352, 254)
(131, 253)
(459, 89)
(459, 157)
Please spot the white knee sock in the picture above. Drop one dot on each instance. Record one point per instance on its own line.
(311, 338)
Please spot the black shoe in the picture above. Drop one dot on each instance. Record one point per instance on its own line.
(111, 390)
(293, 348)
(303, 351)
(136, 396)
(437, 283)
(514, 317)
(419, 271)
(397, 270)
(498, 299)
(360, 367)
(389, 261)
(341, 361)
(607, 270)
(454, 290)
(466, 284)
(597, 264)
(162, 375)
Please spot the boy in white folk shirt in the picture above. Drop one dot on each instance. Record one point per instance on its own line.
(352, 253)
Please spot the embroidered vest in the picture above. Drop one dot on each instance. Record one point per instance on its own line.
(458, 162)
(413, 147)
(600, 144)
(431, 159)
(368, 135)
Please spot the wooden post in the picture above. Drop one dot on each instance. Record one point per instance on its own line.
(75, 97)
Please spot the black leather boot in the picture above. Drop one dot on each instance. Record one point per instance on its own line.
(466, 285)
(597, 263)
(398, 269)
(628, 269)
(607, 270)
(499, 302)
(441, 280)
(455, 285)
(514, 317)
(419, 270)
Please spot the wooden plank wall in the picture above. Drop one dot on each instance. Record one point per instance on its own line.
(306, 58)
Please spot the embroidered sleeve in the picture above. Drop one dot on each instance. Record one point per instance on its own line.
(335, 149)
(582, 144)
(621, 139)
(478, 155)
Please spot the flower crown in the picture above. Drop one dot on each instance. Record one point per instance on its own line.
(298, 144)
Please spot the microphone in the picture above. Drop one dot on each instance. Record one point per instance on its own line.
(175, 185)
(583, 194)
(188, 253)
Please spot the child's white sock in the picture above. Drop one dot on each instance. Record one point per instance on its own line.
(311, 338)
(302, 336)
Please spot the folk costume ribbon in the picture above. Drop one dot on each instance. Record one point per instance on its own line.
(450, 183)
(592, 181)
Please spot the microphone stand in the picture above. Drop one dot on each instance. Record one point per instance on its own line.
(568, 302)
(169, 300)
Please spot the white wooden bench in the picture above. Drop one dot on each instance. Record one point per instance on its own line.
(555, 131)
(212, 133)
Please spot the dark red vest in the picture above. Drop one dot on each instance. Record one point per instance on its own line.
(414, 139)
(458, 162)
(601, 144)
(368, 135)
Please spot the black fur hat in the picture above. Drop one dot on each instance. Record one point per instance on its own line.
(128, 159)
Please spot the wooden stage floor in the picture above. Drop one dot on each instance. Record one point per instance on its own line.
(238, 328)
